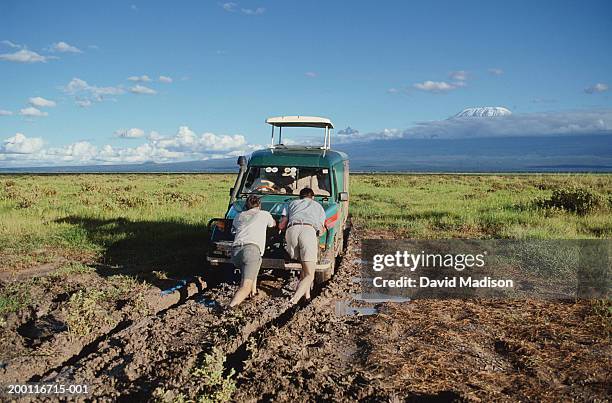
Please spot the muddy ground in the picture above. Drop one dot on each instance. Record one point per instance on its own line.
(166, 339)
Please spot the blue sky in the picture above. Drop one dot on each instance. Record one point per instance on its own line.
(370, 65)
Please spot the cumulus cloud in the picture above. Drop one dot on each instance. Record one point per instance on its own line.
(11, 44)
(144, 78)
(4, 112)
(185, 145)
(229, 6)
(24, 56)
(84, 103)
(253, 11)
(311, 74)
(165, 79)
(32, 112)
(132, 133)
(63, 47)
(599, 87)
(40, 102)
(141, 89)
(459, 75)
(232, 7)
(435, 86)
(20, 144)
(496, 71)
(85, 94)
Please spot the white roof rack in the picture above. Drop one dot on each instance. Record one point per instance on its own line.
(300, 121)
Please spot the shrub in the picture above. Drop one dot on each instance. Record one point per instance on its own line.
(85, 312)
(216, 386)
(575, 199)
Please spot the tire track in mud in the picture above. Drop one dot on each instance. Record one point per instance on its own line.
(160, 351)
(318, 354)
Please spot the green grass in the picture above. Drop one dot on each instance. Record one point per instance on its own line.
(478, 206)
(159, 221)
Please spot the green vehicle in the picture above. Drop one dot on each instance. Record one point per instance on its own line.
(277, 174)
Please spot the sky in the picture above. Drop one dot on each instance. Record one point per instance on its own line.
(135, 81)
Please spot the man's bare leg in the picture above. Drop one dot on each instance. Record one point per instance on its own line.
(254, 288)
(246, 287)
(303, 288)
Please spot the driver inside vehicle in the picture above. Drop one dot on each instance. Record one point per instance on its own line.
(287, 180)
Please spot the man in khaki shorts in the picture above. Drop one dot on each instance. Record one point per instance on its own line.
(249, 244)
(305, 220)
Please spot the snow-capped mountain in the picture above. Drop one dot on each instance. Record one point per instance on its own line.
(484, 112)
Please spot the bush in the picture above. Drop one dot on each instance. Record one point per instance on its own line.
(574, 199)
(217, 387)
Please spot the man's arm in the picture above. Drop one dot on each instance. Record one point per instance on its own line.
(322, 218)
(282, 224)
(271, 221)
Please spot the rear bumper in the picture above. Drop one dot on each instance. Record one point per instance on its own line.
(270, 263)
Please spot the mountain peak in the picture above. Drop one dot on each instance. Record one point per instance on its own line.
(484, 112)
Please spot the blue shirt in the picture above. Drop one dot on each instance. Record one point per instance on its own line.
(307, 211)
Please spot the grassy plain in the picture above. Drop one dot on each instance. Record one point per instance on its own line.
(159, 221)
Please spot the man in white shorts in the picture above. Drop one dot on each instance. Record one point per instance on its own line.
(249, 244)
(305, 220)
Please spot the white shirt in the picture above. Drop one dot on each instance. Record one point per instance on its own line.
(307, 211)
(250, 228)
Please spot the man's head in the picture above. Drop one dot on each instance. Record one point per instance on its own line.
(253, 202)
(306, 193)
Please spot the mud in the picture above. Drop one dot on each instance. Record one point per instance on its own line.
(335, 347)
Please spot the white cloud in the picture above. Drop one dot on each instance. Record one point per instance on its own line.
(185, 145)
(132, 133)
(144, 78)
(141, 89)
(11, 44)
(165, 79)
(24, 56)
(459, 75)
(311, 74)
(63, 47)
(32, 112)
(599, 87)
(85, 94)
(20, 144)
(41, 102)
(393, 90)
(253, 11)
(435, 86)
(229, 6)
(232, 7)
(4, 112)
(496, 71)
(84, 103)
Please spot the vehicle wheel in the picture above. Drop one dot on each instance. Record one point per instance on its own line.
(324, 276)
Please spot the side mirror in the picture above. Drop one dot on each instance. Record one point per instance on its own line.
(231, 191)
(343, 196)
(241, 161)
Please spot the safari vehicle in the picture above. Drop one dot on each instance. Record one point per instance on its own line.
(277, 174)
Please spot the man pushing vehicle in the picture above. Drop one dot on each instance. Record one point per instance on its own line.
(304, 219)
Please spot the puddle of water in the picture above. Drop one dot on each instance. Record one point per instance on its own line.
(378, 298)
(342, 308)
(208, 303)
(181, 284)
